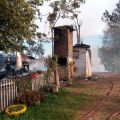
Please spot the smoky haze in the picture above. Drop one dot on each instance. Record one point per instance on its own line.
(97, 66)
(110, 51)
(95, 43)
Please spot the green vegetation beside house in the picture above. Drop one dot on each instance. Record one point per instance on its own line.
(57, 106)
(70, 103)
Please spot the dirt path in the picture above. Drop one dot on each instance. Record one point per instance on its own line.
(106, 101)
(111, 108)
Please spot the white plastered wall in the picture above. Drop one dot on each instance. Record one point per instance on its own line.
(83, 63)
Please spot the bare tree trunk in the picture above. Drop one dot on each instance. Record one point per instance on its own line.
(78, 25)
(52, 42)
(56, 78)
(79, 34)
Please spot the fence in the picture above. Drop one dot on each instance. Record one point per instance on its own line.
(8, 92)
(38, 83)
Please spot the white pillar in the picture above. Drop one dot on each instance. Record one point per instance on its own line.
(88, 65)
(18, 60)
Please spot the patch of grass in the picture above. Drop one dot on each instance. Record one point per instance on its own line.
(90, 91)
(76, 85)
(58, 106)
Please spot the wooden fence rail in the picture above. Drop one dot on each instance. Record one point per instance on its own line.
(38, 83)
(9, 90)
(8, 93)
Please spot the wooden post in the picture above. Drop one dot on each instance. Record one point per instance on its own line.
(1, 95)
(56, 77)
(8, 92)
(52, 42)
(9, 85)
(4, 93)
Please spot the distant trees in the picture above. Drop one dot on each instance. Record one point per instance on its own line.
(110, 51)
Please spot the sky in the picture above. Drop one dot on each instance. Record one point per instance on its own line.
(92, 27)
(91, 13)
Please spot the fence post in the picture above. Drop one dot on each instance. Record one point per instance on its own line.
(8, 92)
(4, 92)
(1, 96)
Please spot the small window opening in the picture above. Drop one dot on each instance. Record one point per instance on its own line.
(62, 61)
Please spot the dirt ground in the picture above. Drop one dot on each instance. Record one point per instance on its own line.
(96, 92)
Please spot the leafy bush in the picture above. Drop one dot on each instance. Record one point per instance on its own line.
(30, 97)
(51, 63)
(26, 84)
(48, 88)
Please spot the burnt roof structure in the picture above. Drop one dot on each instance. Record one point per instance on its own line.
(70, 27)
(81, 46)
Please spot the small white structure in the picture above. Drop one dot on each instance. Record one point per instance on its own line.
(18, 60)
(82, 59)
(34, 64)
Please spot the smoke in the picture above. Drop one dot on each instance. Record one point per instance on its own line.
(37, 65)
(97, 66)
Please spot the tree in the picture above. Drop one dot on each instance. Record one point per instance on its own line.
(52, 71)
(63, 9)
(77, 25)
(36, 49)
(17, 23)
(110, 51)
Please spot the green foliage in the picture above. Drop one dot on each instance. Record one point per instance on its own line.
(48, 88)
(25, 83)
(59, 106)
(35, 49)
(110, 51)
(64, 9)
(30, 98)
(51, 63)
(17, 23)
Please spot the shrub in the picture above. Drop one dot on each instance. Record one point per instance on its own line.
(48, 88)
(23, 84)
(30, 97)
